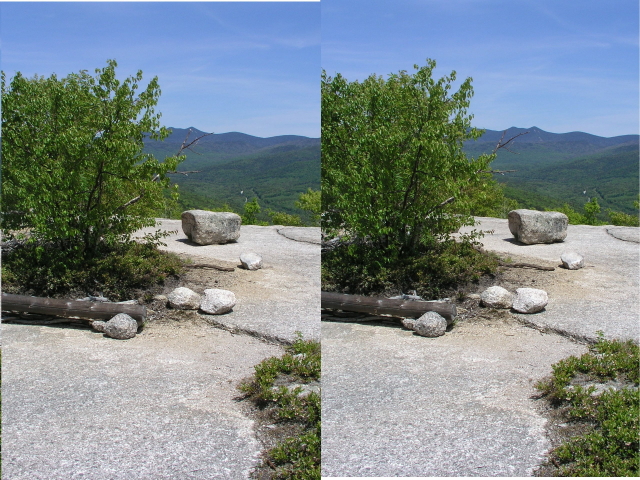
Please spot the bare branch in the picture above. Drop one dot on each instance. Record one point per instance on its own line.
(188, 146)
(501, 172)
(183, 147)
(504, 145)
(440, 205)
(186, 173)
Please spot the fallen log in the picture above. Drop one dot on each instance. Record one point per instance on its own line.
(61, 307)
(377, 305)
(525, 265)
(210, 265)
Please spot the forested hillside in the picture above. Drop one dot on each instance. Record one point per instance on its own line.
(236, 167)
(553, 169)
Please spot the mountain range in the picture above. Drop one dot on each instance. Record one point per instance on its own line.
(233, 168)
(552, 169)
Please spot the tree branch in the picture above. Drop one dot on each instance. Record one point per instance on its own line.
(501, 172)
(183, 147)
(504, 145)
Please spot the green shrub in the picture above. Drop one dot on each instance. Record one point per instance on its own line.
(393, 168)
(281, 218)
(574, 217)
(116, 272)
(435, 270)
(297, 457)
(591, 211)
(311, 202)
(611, 447)
(623, 219)
(73, 167)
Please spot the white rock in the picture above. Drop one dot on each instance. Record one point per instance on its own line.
(184, 298)
(497, 297)
(572, 260)
(206, 228)
(251, 261)
(121, 327)
(431, 324)
(530, 300)
(531, 226)
(217, 301)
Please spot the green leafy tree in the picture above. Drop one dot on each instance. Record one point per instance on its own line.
(393, 168)
(591, 210)
(73, 167)
(251, 210)
(311, 202)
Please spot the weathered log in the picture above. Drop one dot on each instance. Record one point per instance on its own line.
(210, 265)
(377, 305)
(61, 307)
(525, 265)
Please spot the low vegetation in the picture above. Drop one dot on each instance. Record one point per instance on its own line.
(119, 272)
(591, 215)
(433, 272)
(599, 392)
(298, 455)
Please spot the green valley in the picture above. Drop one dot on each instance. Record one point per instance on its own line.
(554, 169)
(234, 168)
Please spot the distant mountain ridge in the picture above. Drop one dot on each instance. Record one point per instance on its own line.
(557, 168)
(274, 169)
(537, 135)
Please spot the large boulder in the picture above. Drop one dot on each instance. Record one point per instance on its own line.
(206, 228)
(122, 327)
(531, 226)
(217, 301)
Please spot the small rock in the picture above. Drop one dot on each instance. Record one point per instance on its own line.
(184, 298)
(161, 298)
(217, 301)
(431, 324)
(497, 297)
(474, 296)
(305, 388)
(251, 261)
(409, 323)
(121, 327)
(572, 260)
(92, 298)
(530, 300)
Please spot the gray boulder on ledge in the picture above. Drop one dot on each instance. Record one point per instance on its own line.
(208, 228)
(531, 226)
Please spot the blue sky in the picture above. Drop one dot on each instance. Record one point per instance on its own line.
(560, 65)
(247, 67)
